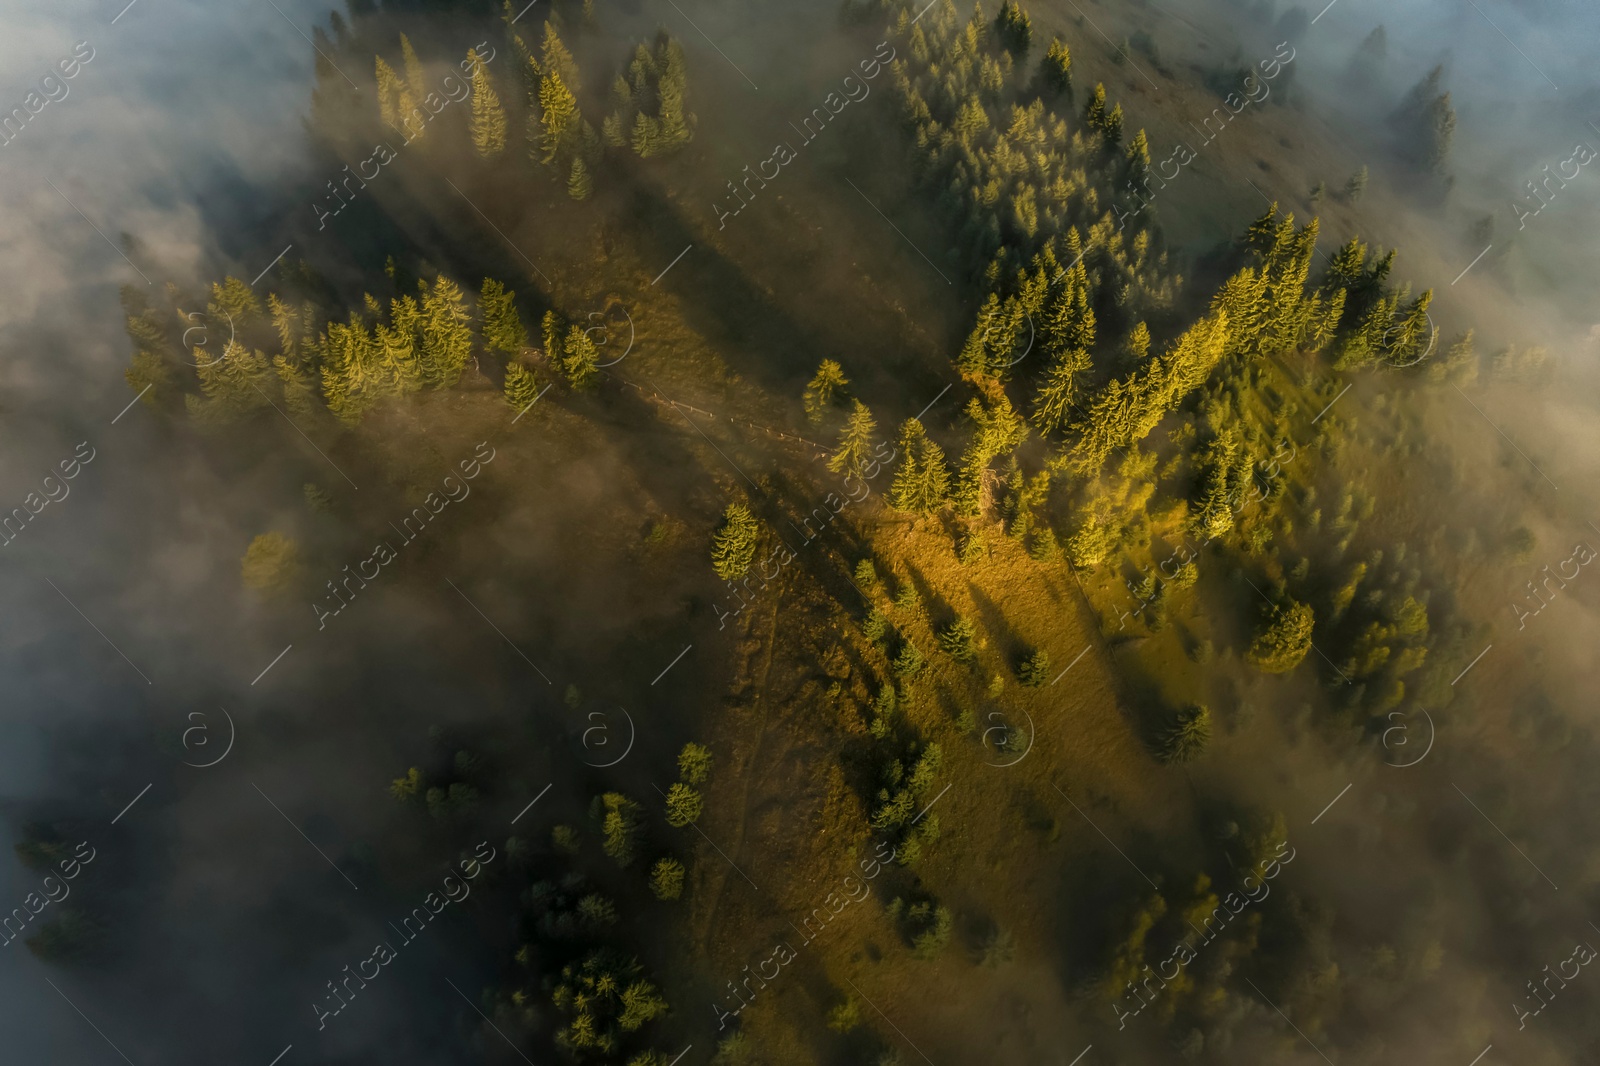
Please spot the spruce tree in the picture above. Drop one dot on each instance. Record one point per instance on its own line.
(500, 325)
(579, 185)
(1056, 67)
(1094, 112)
(922, 483)
(581, 359)
(855, 442)
(684, 805)
(415, 81)
(1058, 392)
(521, 387)
(558, 111)
(446, 334)
(733, 547)
(488, 117)
(388, 89)
(826, 386)
(555, 57)
(1014, 28)
(552, 328)
(1356, 186)
(1188, 736)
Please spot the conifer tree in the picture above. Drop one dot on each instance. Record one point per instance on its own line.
(694, 763)
(1138, 158)
(855, 442)
(555, 57)
(1188, 735)
(1357, 184)
(1094, 112)
(521, 387)
(1056, 67)
(1113, 126)
(552, 328)
(922, 482)
(734, 546)
(666, 879)
(579, 185)
(619, 826)
(501, 326)
(1284, 638)
(1014, 28)
(559, 119)
(446, 333)
(388, 89)
(684, 805)
(1058, 393)
(676, 125)
(488, 117)
(415, 80)
(827, 385)
(580, 359)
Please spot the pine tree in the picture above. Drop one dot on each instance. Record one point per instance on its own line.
(521, 387)
(500, 325)
(581, 359)
(555, 57)
(855, 442)
(579, 185)
(1283, 639)
(1356, 185)
(694, 763)
(684, 805)
(1056, 67)
(1094, 112)
(1188, 735)
(415, 81)
(388, 89)
(1138, 158)
(734, 546)
(552, 327)
(922, 482)
(1058, 393)
(446, 334)
(826, 386)
(666, 879)
(1014, 28)
(488, 117)
(676, 125)
(1113, 126)
(619, 826)
(558, 111)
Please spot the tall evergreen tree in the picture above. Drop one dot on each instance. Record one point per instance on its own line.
(1056, 67)
(415, 80)
(446, 334)
(733, 547)
(388, 89)
(501, 327)
(922, 483)
(855, 442)
(521, 387)
(581, 359)
(579, 185)
(488, 117)
(827, 385)
(1058, 393)
(558, 118)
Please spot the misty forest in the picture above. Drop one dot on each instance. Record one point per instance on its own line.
(894, 532)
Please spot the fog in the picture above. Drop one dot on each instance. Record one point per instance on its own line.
(233, 892)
